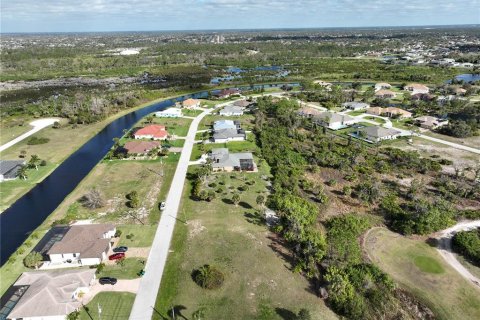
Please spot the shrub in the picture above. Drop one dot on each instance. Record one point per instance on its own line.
(32, 260)
(208, 277)
(220, 190)
(43, 163)
(37, 140)
(332, 182)
(93, 199)
(212, 185)
(118, 233)
(100, 268)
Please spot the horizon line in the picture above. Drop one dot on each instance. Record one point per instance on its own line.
(245, 30)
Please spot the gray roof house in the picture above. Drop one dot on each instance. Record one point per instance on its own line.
(223, 160)
(376, 134)
(9, 169)
(355, 105)
(231, 110)
(243, 103)
(225, 135)
(226, 124)
(49, 294)
(333, 120)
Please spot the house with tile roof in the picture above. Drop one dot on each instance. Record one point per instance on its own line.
(140, 147)
(416, 88)
(385, 94)
(153, 131)
(191, 103)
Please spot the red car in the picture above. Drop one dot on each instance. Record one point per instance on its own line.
(117, 256)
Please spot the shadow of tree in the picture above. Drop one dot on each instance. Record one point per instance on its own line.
(285, 314)
(244, 205)
(279, 246)
(176, 312)
(255, 218)
(227, 201)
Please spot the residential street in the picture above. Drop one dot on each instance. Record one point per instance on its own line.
(150, 283)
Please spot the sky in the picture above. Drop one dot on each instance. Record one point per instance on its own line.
(157, 15)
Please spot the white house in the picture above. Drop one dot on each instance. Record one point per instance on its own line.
(416, 88)
(334, 121)
(85, 245)
(225, 124)
(169, 113)
(49, 295)
(231, 110)
(226, 135)
(354, 105)
(382, 86)
(376, 134)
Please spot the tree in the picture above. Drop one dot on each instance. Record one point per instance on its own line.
(236, 199)
(93, 199)
(22, 172)
(261, 200)
(208, 277)
(32, 260)
(23, 154)
(34, 161)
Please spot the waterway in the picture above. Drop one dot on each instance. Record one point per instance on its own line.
(29, 212)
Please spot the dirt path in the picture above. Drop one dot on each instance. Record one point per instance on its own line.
(445, 248)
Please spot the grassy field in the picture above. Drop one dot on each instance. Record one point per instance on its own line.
(419, 268)
(143, 235)
(356, 112)
(236, 240)
(10, 132)
(128, 269)
(377, 120)
(473, 142)
(114, 305)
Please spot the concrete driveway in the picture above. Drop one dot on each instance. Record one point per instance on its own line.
(130, 285)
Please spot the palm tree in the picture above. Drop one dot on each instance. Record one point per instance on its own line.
(34, 160)
(22, 173)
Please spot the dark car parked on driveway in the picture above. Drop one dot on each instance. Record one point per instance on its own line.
(117, 256)
(120, 249)
(107, 280)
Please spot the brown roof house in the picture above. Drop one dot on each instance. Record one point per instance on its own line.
(51, 295)
(82, 244)
(385, 94)
(416, 88)
(394, 112)
(429, 122)
(377, 111)
(140, 147)
(191, 103)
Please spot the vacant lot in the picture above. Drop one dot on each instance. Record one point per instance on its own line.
(114, 306)
(258, 279)
(142, 235)
(419, 268)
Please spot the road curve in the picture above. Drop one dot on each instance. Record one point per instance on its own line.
(150, 284)
(445, 248)
(37, 126)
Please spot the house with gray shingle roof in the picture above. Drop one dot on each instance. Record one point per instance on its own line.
(333, 120)
(226, 135)
(376, 134)
(355, 105)
(223, 160)
(231, 110)
(9, 169)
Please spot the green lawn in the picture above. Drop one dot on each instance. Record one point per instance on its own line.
(236, 240)
(419, 268)
(10, 132)
(377, 120)
(114, 306)
(143, 235)
(356, 113)
(127, 269)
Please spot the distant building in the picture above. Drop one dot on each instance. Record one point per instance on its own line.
(333, 120)
(153, 131)
(9, 169)
(243, 103)
(191, 103)
(51, 295)
(385, 94)
(382, 85)
(376, 111)
(376, 134)
(326, 85)
(394, 112)
(429, 122)
(309, 112)
(416, 88)
(223, 160)
(422, 97)
(231, 110)
(140, 147)
(225, 124)
(169, 113)
(356, 106)
(460, 91)
(226, 93)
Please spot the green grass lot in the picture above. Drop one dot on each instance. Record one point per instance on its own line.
(403, 124)
(191, 113)
(129, 269)
(10, 132)
(356, 113)
(143, 235)
(247, 121)
(473, 142)
(236, 240)
(419, 268)
(114, 305)
(377, 120)
(233, 146)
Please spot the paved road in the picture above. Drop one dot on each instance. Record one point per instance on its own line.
(451, 144)
(445, 248)
(150, 283)
(37, 126)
